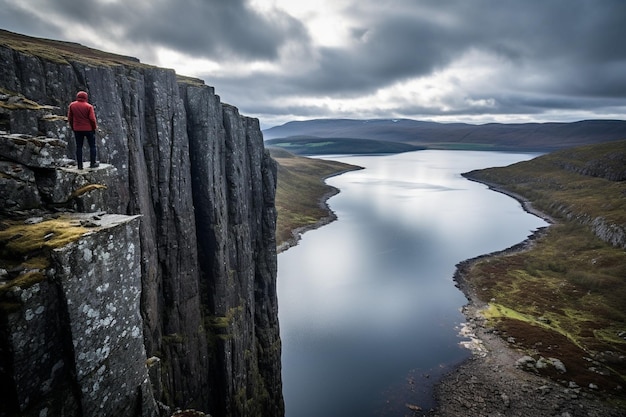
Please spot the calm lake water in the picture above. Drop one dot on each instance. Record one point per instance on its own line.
(368, 310)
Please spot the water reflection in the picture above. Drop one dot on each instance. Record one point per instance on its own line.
(367, 303)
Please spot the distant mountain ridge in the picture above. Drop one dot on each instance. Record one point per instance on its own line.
(307, 145)
(491, 136)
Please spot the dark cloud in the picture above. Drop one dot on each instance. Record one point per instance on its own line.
(558, 47)
(392, 50)
(203, 28)
(214, 28)
(15, 19)
(539, 56)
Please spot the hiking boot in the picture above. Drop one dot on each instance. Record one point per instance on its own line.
(94, 165)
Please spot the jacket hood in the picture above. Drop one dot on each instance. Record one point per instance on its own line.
(81, 96)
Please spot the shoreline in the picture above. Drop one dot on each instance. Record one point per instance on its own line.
(296, 234)
(526, 204)
(489, 383)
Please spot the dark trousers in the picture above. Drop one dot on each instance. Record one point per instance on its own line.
(80, 139)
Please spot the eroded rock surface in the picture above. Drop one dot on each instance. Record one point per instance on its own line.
(197, 173)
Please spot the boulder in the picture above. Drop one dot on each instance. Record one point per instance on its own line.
(32, 151)
(73, 322)
(17, 187)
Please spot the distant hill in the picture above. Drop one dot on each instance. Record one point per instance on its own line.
(493, 136)
(325, 146)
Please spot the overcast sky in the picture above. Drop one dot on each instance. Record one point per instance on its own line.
(475, 61)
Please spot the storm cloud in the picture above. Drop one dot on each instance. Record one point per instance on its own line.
(480, 60)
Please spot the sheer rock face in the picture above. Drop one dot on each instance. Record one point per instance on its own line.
(199, 176)
(233, 186)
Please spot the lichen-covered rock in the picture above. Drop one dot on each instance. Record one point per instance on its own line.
(99, 276)
(32, 151)
(17, 187)
(74, 323)
(34, 364)
(55, 126)
(87, 190)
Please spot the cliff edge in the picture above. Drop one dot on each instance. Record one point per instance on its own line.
(170, 274)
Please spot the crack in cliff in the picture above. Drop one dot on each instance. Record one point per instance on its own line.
(186, 168)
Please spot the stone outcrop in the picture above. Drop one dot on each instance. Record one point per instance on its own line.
(607, 162)
(197, 174)
(71, 336)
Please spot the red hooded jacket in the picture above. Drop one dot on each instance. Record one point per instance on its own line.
(81, 115)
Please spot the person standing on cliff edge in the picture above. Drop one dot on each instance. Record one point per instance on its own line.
(82, 119)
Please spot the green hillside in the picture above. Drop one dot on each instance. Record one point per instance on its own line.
(564, 297)
(332, 146)
(301, 193)
(585, 184)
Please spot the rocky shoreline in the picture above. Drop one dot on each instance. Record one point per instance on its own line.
(491, 382)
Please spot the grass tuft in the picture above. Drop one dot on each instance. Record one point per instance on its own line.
(18, 239)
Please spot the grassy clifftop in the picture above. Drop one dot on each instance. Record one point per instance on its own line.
(61, 52)
(564, 297)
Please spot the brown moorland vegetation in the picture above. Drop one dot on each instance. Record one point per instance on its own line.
(301, 194)
(564, 297)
